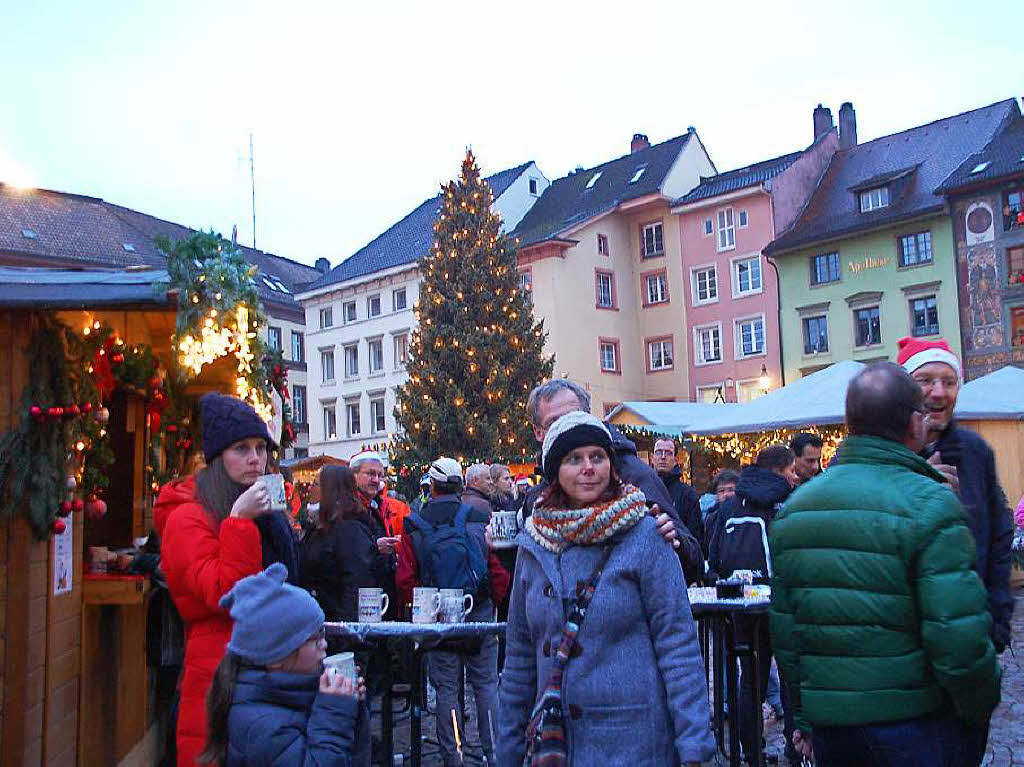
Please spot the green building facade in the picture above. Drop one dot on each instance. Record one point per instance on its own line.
(855, 298)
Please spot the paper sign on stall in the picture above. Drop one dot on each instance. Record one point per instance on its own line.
(63, 560)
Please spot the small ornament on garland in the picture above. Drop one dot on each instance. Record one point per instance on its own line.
(96, 508)
(59, 526)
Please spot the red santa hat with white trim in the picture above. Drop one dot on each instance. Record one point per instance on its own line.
(913, 353)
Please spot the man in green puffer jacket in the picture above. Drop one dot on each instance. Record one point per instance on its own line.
(878, 618)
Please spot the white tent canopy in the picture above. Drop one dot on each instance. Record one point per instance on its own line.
(999, 395)
(815, 400)
(673, 418)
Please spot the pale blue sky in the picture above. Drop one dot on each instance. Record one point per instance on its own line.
(358, 115)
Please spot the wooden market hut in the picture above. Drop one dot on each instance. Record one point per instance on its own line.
(73, 677)
(993, 406)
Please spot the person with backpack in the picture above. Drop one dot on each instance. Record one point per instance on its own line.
(443, 546)
(740, 542)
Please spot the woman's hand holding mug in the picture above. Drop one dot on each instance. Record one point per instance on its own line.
(253, 503)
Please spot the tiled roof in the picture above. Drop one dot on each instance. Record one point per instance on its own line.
(1004, 155)
(568, 201)
(930, 151)
(87, 232)
(406, 240)
(731, 180)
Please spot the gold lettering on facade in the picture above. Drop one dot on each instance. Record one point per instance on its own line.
(871, 262)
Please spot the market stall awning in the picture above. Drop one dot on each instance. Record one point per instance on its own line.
(30, 287)
(815, 400)
(997, 396)
(669, 418)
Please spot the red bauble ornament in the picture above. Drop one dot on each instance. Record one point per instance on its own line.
(65, 508)
(96, 509)
(86, 407)
(102, 415)
(75, 410)
(78, 505)
(59, 526)
(51, 412)
(36, 412)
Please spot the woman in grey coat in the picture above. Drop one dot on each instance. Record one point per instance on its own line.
(633, 690)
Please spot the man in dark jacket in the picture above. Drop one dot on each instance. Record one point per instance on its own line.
(878, 618)
(550, 401)
(684, 497)
(969, 464)
(740, 542)
(477, 495)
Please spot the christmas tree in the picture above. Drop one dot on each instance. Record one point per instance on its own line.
(477, 351)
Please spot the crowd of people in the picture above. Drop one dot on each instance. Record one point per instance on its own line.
(889, 575)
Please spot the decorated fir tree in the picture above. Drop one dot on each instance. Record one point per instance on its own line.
(477, 351)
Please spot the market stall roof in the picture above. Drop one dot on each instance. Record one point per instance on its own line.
(999, 395)
(671, 418)
(815, 400)
(30, 287)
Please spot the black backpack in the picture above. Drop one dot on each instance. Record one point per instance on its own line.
(743, 543)
(448, 555)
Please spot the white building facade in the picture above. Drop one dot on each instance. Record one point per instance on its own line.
(359, 321)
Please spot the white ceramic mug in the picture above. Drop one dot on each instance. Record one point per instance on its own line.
(343, 664)
(504, 529)
(455, 605)
(373, 603)
(426, 604)
(275, 488)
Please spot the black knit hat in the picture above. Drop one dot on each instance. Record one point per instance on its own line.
(572, 430)
(226, 420)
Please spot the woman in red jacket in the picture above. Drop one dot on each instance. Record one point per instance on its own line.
(210, 542)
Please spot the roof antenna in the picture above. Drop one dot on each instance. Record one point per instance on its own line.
(252, 184)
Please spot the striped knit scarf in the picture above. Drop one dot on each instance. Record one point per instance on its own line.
(557, 529)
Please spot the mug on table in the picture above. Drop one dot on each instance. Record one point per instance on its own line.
(373, 603)
(426, 604)
(455, 605)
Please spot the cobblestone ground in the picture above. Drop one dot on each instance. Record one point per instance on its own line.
(1005, 743)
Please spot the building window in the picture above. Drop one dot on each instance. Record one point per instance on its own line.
(352, 418)
(743, 219)
(825, 268)
(655, 287)
(348, 311)
(274, 338)
(605, 290)
(1017, 326)
(868, 325)
(659, 354)
(299, 403)
(298, 346)
(709, 227)
(747, 276)
(401, 350)
(526, 285)
(327, 365)
(652, 242)
(708, 340)
(374, 305)
(609, 356)
(533, 187)
(815, 335)
(1015, 266)
(351, 361)
(925, 314)
(726, 230)
(916, 249)
(377, 414)
(1013, 209)
(330, 422)
(398, 300)
(705, 284)
(326, 317)
(710, 394)
(593, 179)
(602, 245)
(873, 199)
(749, 390)
(750, 336)
(375, 350)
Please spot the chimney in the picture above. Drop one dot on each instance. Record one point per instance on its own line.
(822, 120)
(639, 142)
(322, 265)
(847, 126)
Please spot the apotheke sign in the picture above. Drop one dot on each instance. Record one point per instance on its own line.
(870, 262)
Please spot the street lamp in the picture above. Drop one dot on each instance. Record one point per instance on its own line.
(764, 381)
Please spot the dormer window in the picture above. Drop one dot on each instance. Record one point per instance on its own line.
(129, 248)
(638, 174)
(979, 167)
(28, 234)
(593, 179)
(533, 187)
(873, 199)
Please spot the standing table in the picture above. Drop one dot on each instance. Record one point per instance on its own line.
(421, 638)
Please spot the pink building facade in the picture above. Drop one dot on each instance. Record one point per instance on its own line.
(730, 287)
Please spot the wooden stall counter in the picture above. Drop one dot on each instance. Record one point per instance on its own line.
(113, 706)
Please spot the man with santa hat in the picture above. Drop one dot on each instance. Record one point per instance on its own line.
(969, 464)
